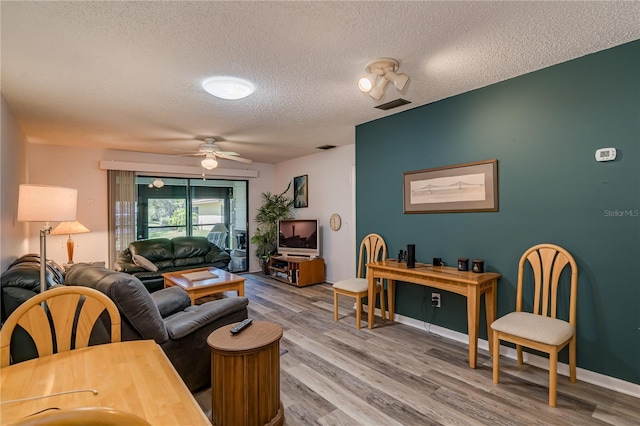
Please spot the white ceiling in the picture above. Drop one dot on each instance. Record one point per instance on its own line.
(127, 75)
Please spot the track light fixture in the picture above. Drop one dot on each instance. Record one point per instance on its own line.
(379, 73)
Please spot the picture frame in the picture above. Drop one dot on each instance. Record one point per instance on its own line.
(300, 192)
(469, 187)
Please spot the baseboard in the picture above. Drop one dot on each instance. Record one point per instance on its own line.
(588, 376)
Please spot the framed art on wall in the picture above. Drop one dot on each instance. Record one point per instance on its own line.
(300, 192)
(470, 187)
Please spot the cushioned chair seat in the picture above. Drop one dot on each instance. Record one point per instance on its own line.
(549, 331)
(355, 285)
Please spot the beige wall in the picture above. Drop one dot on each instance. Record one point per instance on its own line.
(13, 172)
(80, 168)
(331, 190)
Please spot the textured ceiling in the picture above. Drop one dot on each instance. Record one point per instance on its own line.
(127, 75)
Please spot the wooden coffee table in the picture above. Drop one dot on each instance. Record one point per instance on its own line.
(225, 281)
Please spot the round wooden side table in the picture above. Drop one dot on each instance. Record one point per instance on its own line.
(245, 375)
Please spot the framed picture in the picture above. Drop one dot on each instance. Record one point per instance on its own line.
(470, 187)
(300, 192)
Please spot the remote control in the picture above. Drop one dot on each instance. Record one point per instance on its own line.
(238, 328)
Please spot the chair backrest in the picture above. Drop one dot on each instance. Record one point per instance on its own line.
(547, 262)
(374, 247)
(59, 320)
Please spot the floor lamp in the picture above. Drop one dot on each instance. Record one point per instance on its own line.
(44, 203)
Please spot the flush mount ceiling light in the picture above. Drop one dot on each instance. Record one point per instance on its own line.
(228, 87)
(379, 73)
(209, 162)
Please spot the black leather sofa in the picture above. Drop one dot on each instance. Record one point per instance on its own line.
(165, 316)
(21, 281)
(168, 255)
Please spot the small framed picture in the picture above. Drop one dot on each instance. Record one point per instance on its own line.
(300, 192)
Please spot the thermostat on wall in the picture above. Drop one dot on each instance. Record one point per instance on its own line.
(606, 154)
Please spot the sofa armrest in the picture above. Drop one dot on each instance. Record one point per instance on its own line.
(171, 300)
(194, 317)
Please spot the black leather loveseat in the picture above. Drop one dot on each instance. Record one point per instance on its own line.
(149, 259)
(165, 316)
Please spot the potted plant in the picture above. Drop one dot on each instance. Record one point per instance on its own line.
(274, 208)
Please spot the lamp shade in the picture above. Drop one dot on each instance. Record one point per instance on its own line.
(45, 203)
(68, 228)
(219, 227)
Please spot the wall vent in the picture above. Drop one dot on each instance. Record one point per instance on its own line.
(325, 147)
(393, 104)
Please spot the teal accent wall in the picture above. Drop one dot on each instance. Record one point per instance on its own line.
(543, 128)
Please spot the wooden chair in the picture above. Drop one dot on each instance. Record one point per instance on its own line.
(66, 317)
(372, 248)
(541, 329)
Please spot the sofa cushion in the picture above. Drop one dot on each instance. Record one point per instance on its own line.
(171, 300)
(188, 251)
(187, 321)
(144, 262)
(157, 250)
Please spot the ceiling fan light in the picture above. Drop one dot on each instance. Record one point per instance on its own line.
(209, 163)
(398, 80)
(158, 183)
(231, 88)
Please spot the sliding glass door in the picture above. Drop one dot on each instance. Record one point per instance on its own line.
(216, 209)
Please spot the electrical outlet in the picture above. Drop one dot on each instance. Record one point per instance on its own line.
(435, 300)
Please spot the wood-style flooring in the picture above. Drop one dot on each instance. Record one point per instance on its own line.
(394, 374)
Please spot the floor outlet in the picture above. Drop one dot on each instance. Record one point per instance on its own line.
(435, 300)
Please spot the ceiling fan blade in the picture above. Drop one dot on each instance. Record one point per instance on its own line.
(228, 153)
(233, 158)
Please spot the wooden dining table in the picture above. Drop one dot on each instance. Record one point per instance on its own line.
(135, 377)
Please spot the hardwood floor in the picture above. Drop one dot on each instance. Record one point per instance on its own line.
(333, 374)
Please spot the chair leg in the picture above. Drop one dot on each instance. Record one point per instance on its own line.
(496, 357)
(519, 351)
(572, 359)
(358, 311)
(335, 305)
(553, 376)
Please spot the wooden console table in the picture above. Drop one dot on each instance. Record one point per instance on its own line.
(466, 283)
(135, 377)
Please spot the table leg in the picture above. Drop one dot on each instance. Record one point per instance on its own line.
(371, 298)
(391, 298)
(241, 289)
(473, 315)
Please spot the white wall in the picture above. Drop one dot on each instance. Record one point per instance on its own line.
(79, 168)
(13, 172)
(330, 184)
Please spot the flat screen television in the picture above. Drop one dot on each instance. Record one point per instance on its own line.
(299, 237)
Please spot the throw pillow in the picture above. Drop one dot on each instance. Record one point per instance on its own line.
(145, 263)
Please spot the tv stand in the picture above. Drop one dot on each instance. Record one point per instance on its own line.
(297, 270)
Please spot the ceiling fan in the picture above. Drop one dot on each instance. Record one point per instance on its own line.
(211, 151)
